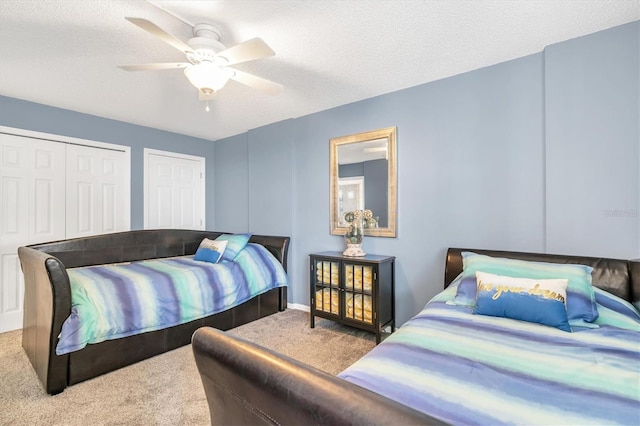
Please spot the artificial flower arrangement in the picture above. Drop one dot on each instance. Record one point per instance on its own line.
(358, 220)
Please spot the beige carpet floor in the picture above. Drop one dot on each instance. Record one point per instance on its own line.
(166, 389)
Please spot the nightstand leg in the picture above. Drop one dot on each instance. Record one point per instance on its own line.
(313, 321)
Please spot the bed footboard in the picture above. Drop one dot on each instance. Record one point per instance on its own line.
(47, 303)
(248, 384)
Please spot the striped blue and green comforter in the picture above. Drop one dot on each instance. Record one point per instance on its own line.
(473, 369)
(113, 301)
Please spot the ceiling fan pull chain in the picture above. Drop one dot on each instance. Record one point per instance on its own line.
(207, 107)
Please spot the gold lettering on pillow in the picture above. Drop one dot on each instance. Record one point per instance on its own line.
(210, 245)
(482, 286)
(501, 288)
(535, 291)
(547, 294)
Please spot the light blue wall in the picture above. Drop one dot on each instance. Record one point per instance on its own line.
(231, 184)
(41, 118)
(271, 166)
(457, 158)
(592, 144)
(476, 167)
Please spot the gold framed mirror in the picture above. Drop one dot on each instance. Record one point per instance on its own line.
(363, 176)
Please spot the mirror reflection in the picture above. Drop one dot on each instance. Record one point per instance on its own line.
(363, 177)
(363, 180)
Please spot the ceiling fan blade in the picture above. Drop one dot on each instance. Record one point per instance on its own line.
(154, 67)
(162, 34)
(250, 50)
(256, 82)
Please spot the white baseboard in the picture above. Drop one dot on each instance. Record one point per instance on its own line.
(299, 307)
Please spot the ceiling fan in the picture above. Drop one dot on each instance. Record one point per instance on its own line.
(208, 67)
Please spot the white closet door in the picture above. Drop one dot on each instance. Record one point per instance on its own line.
(96, 182)
(174, 190)
(32, 190)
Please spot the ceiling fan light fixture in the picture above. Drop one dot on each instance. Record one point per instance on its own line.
(207, 69)
(206, 77)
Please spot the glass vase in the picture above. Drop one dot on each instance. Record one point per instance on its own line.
(353, 237)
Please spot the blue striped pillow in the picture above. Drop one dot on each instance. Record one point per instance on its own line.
(235, 244)
(581, 302)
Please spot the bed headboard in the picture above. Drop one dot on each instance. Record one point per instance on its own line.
(617, 276)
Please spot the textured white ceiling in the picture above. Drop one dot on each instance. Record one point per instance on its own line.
(328, 53)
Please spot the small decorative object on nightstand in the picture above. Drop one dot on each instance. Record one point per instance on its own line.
(357, 221)
(354, 291)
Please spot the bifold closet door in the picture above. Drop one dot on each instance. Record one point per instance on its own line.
(174, 190)
(32, 194)
(52, 191)
(95, 191)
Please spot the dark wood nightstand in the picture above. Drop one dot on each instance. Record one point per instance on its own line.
(356, 291)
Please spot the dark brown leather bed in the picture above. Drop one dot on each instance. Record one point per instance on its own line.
(47, 301)
(248, 384)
